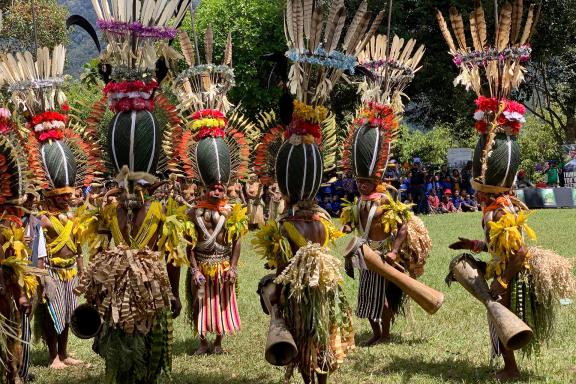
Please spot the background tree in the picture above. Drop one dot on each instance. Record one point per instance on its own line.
(257, 28)
(18, 29)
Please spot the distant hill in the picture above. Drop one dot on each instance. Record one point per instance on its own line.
(81, 48)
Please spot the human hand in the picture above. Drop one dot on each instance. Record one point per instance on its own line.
(391, 257)
(497, 290)
(199, 278)
(347, 229)
(231, 275)
(462, 243)
(176, 307)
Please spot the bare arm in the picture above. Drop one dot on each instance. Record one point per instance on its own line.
(233, 271)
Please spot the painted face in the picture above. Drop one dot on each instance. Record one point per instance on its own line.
(216, 192)
(62, 201)
(365, 186)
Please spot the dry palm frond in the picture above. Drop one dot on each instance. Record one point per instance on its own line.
(392, 71)
(551, 276)
(137, 31)
(499, 64)
(315, 34)
(35, 84)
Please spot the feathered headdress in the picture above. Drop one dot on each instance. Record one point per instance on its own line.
(16, 179)
(492, 71)
(211, 147)
(205, 86)
(375, 128)
(137, 32)
(61, 156)
(321, 54)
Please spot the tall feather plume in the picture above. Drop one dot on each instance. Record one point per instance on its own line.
(528, 26)
(458, 27)
(336, 11)
(308, 16)
(445, 31)
(517, 11)
(338, 31)
(228, 50)
(360, 33)
(299, 17)
(187, 49)
(375, 24)
(481, 25)
(354, 27)
(503, 32)
(289, 24)
(535, 20)
(208, 44)
(316, 31)
(474, 32)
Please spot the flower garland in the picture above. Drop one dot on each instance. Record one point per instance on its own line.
(49, 125)
(226, 73)
(376, 65)
(131, 95)
(5, 122)
(478, 58)
(505, 113)
(377, 116)
(136, 29)
(306, 120)
(320, 56)
(208, 123)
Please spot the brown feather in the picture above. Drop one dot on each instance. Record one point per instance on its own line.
(481, 25)
(445, 31)
(474, 32)
(375, 24)
(535, 21)
(332, 26)
(187, 49)
(458, 27)
(308, 15)
(503, 32)
(228, 50)
(289, 23)
(332, 22)
(316, 29)
(528, 25)
(338, 31)
(517, 11)
(208, 44)
(360, 32)
(355, 24)
(299, 18)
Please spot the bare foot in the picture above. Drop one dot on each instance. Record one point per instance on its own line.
(57, 364)
(218, 350)
(385, 339)
(507, 374)
(202, 350)
(71, 361)
(372, 341)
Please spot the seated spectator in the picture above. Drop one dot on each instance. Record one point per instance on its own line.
(446, 184)
(456, 180)
(457, 200)
(468, 203)
(433, 202)
(338, 186)
(327, 204)
(446, 206)
(522, 181)
(428, 184)
(349, 186)
(336, 205)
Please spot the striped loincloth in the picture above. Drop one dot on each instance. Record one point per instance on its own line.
(61, 299)
(217, 307)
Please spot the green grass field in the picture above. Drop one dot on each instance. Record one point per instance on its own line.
(451, 346)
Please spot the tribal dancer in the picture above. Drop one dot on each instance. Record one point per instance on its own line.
(61, 158)
(382, 221)
(18, 283)
(277, 204)
(527, 280)
(308, 294)
(133, 282)
(214, 151)
(254, 202)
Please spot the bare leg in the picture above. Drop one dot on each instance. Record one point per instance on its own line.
(204, 347)
(510, 370)
(387, 318)
(306, 378)
(52, 341)
(63, 348)
(218, 345)
(376, 333)
(322, 378)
